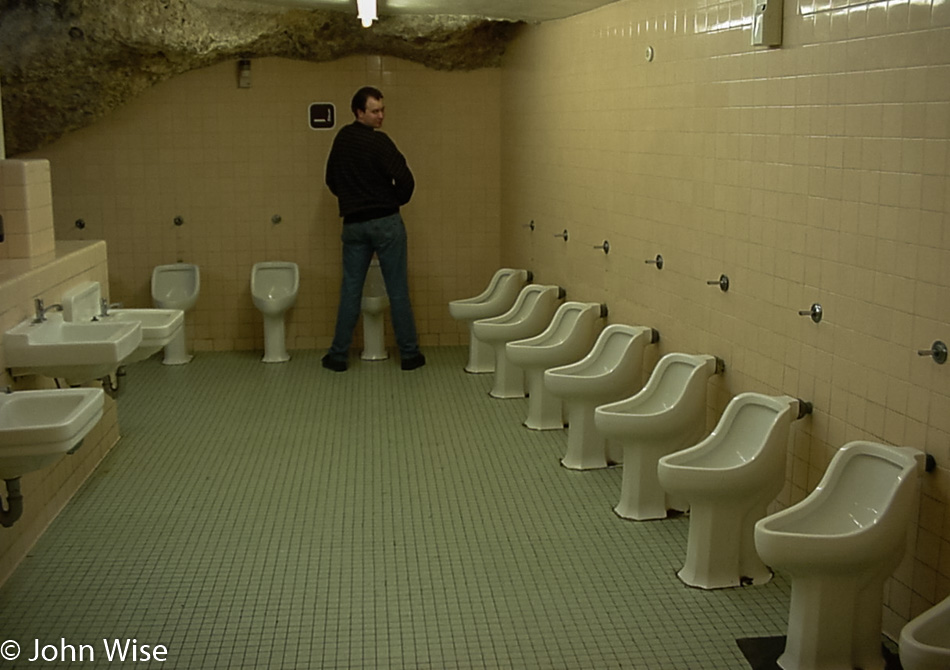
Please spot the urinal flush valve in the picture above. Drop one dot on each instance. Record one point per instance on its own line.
(804, 409)
(815, 312)
(722, 282)
(937, 351)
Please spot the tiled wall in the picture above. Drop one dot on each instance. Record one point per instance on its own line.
(33, 265)
(227, 160)
(814, 173)
(26, 205)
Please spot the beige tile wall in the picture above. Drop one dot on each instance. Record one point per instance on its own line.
(227, 160)
(26, 205)
(814, 173)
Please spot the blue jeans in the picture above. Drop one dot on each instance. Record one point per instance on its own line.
(387, 238)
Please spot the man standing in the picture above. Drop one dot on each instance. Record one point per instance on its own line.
(371, 180)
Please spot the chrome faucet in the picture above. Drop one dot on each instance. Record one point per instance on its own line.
(105, 306)
(42, 309)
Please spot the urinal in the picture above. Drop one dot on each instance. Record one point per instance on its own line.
(529, 315)
(610, 371)
(176, 286)
(567, 338)
(729, 479)
(373, 305)
(925, 640)
(84, 302)
(497, 299)
(666, 416)
(839, 545)
(274, 286)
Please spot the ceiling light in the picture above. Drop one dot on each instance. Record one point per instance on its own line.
(366, 12)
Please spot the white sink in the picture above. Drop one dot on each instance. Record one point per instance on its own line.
(159, 326)
(38, 427)
(76, 352)
(84, 303)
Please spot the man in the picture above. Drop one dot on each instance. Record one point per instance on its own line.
(371, 180)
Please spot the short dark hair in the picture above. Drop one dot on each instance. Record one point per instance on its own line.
(358, 103)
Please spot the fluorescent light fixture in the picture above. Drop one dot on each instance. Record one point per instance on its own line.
(366, 12)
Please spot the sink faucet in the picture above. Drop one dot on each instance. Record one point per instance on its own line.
(105, 306)
(42, 309)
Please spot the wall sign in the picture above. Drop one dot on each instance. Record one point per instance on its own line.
(322, 115)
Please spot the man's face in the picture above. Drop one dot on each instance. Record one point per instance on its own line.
(373, 115)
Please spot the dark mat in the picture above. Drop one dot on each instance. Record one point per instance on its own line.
(763, 652)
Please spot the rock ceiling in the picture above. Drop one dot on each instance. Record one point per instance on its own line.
(66, 63)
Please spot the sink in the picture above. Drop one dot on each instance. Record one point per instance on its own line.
(38, 427)
(83, 303)
(76, 352)
(159, 326)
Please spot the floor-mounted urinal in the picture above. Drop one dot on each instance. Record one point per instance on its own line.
(496, 299)
(176, 286)
(609, 372)
(530, 314)
(274, 286)
(839, 545)
(666, 416)
(729, 479)
(925, 640)
(567, 339)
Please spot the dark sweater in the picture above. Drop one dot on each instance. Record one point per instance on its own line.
(367, 174)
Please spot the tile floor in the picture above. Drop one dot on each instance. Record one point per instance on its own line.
(284, 516)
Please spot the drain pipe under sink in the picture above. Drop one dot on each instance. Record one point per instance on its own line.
(110, 383)
(13, 509)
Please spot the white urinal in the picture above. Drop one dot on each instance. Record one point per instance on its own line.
(610, 371)
(373, 306)
(176, 286)
(274, 286)
(729, 479)
(925, 640)
(839, 545)
(667, 415)
(567, 339)
(529, 315)
(497, 299)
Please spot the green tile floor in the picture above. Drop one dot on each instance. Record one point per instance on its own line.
(284, 516)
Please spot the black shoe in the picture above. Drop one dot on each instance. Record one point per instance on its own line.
(413, 362)
(333, 364)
